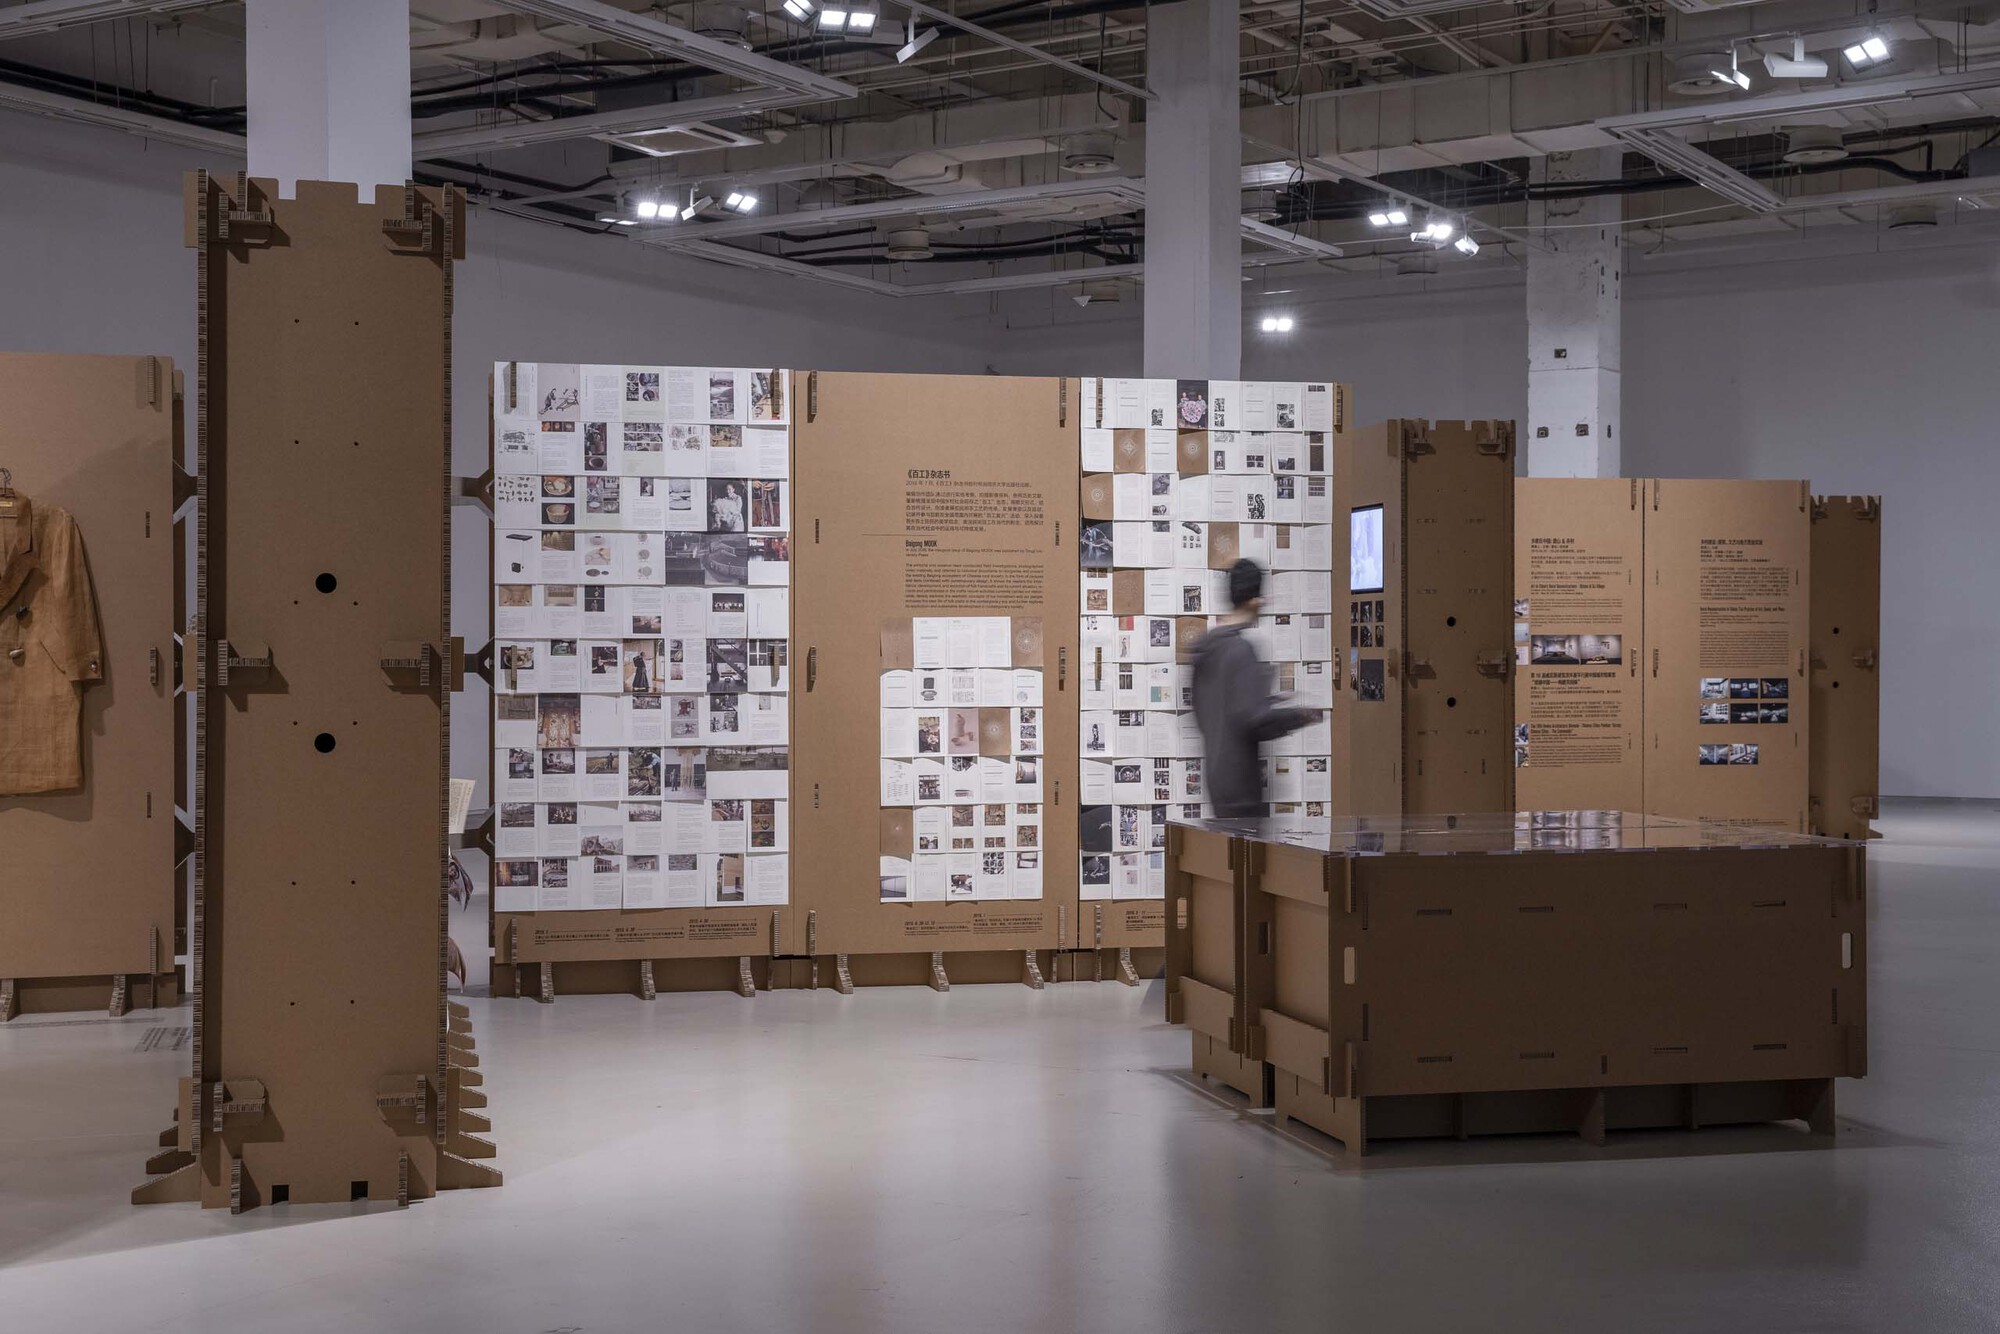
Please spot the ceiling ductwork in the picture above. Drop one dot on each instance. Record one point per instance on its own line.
(1812, 144)
(1094, 154)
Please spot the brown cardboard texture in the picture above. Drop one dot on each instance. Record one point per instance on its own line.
(1128, 450)
(1425, 723)
(1402, 994)
(1579, 558)
(1727, 606)
(1224, 545)
(1204, 965)
(1097, 496)
(898, 518)
(1845, 653)
(326, 1059)
(87, 889)
(899, 651)
(1030, 649)
(898, 839)
(1128, 592)
(1458, 546)
(1191, 455)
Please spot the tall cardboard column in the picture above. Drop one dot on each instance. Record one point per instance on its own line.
(1574, 316)
(1426, 723)
(1194, 161)
(327, 1064)
(1846, 693)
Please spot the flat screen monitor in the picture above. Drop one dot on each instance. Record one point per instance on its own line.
(1364, 550)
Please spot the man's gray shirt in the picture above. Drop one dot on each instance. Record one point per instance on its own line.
(1232, 703)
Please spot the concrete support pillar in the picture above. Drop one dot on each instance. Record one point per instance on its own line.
(1574, 317)
(1194, 161)
(329, 91)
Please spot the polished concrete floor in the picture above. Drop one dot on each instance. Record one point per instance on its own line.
(998, 1159)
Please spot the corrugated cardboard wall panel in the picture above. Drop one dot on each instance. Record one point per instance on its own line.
(856, 565)
(328, 345)
(1368, 734)
(1727, 596)
(1571, 970)
(1845, 664)
(1579, 561)
(1458, 548)
(89, 874)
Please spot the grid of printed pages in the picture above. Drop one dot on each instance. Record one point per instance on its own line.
(641, 622)
(1180, 479)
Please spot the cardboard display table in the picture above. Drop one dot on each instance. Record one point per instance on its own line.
(1495, 973)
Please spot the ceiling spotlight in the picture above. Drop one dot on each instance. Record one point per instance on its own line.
(1392, 216)
(847, 20)
(1870, 50)
(648, 209)
(1276, 324)
(1734, 74)
(696, 207)
(914, 41)
(800, 10)
(1798, 65)
(740, 201)
(1465, 245)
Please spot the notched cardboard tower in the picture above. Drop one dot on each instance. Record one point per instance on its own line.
(327, 1063)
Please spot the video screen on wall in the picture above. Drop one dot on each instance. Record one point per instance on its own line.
(1364, 550)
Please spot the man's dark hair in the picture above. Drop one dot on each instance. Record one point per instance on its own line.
(1246, 582)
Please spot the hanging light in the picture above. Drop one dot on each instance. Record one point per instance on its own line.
(1870, 50)
(1734, 74)
(1278, 324)
(648, 209)
(740, 201)
(696, 207)
(801, 11)
(1394, 215)
(1465, 245)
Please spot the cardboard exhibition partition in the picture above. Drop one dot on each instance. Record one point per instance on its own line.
(924, 501)
(327, 1063)
(1579, 642)
(1728, 569)
(1425, 724)
(637, 689)
(87, 896)
(1845, 696)
(1663, 638)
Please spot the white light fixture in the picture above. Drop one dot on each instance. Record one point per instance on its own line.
(1734, 74)
(740, 201)
(696, 207)
(1465, 245)
(847, 20)
(648, 209)
(1870, 50)
(1798, 65)
(1281, 324)
(914, 41)
(800, 10)
(1393, 216)
(1436, 231)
